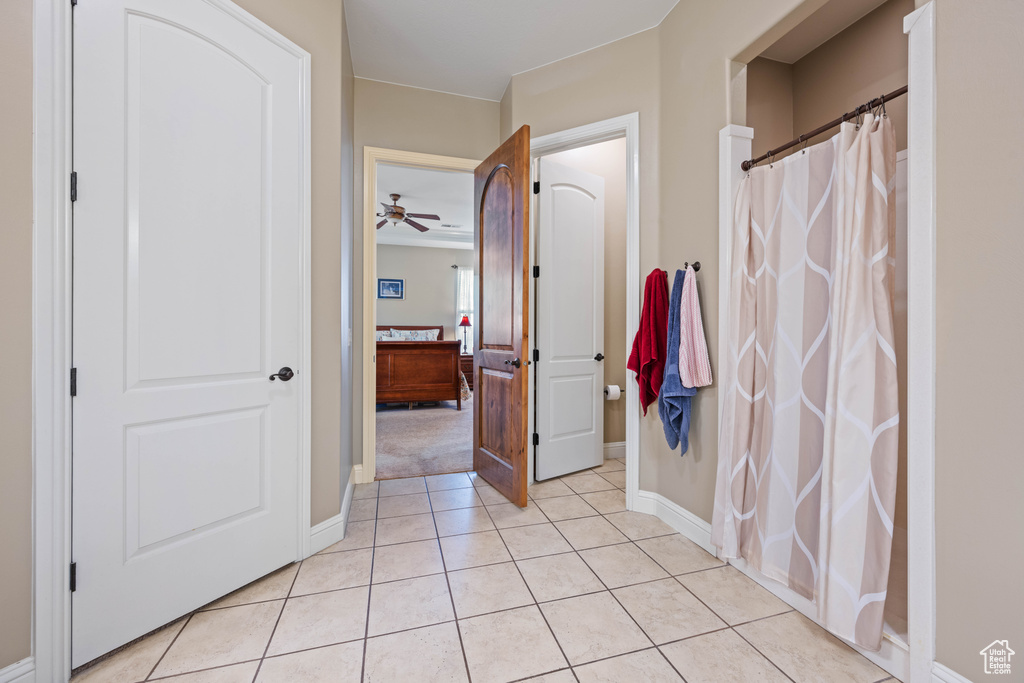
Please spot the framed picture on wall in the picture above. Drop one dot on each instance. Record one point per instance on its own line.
(390, 289)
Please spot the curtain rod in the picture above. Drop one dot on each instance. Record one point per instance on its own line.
(877, 102)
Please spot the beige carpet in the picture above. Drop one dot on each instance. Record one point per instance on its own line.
(429, 439)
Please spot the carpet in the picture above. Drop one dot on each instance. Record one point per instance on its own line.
(429, 439)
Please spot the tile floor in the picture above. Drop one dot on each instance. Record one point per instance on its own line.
(441, 579)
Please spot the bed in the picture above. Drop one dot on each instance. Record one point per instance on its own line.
(413, 371)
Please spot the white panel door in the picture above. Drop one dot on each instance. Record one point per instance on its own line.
(570, 321)
(189, 242)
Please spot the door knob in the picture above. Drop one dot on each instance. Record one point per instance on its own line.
(599, 357)
(284, 374)
(515, 361)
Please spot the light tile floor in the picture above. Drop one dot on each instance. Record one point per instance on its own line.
(441, 579)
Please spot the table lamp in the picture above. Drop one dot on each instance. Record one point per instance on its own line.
(464, 323)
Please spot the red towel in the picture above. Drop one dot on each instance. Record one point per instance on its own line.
(647, 359)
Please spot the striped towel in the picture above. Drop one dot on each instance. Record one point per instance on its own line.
(694, 366)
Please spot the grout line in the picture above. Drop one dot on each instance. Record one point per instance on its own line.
(547, 673)
(758, 651)
(369, 592)
(277, 622)
(619, 602)
(209, 668)
(536, 605)
(169, 646)
(308, 649)
(696, 635)
(451, 597)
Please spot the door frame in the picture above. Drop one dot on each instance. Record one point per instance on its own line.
(51, 326)
(626, 126)
(914, 660)
(366, 470)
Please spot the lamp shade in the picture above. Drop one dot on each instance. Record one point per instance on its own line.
(465, 321)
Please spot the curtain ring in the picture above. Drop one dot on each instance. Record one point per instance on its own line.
(882, 105)
(803, 148)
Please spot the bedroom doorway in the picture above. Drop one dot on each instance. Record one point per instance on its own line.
(419, 309)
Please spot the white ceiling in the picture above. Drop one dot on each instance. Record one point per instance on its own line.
(827, 22)
(473, 47)
(449, 194)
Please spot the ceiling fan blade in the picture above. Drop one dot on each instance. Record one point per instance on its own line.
(387, 207)
(421, 228)
(381, 224)
(431, 216)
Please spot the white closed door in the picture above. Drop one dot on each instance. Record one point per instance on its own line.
(570, 321)
(189, 244)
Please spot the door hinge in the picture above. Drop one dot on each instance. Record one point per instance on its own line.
(536, 439)
(536, 271)
(536, 355)
(536, 187)
(74, 381)
(74, 181)
(73, 583)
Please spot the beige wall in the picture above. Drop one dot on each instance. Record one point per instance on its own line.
(608, 160)
(979, 465)
(866, 60)
(410, 120)
(770, 103)
(316, 25)
(16, 329)
(429, 285)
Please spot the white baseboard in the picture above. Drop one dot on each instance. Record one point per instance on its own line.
(616, 449)
(19, 672)
(943, 674)
(677, 517)
(331, 530)
(358, 474)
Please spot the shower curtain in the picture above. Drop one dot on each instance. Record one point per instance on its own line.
(808, 447)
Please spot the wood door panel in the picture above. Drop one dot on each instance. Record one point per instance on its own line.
(501, 243)
(497, 249)
(496, 392)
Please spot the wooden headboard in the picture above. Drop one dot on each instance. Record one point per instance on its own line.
(440, 335)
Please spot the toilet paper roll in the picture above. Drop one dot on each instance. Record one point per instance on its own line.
(612, 392)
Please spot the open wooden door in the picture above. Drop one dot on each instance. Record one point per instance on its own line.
(501, 244)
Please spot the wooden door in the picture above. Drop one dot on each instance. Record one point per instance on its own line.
(188, 251)
(501, 243)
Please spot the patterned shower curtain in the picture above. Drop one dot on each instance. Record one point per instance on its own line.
(808, 450)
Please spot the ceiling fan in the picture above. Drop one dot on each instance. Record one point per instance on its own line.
(396, 214)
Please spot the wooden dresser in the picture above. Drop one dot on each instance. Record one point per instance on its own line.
(466, 365)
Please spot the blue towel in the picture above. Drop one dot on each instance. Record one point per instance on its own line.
(674, 399)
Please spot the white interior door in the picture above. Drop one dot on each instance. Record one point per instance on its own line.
(570, 321)
(190, 146)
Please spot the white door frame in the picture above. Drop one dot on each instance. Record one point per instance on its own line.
(628, 127)
(51, 327)
(367, 469)
(913, 661)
